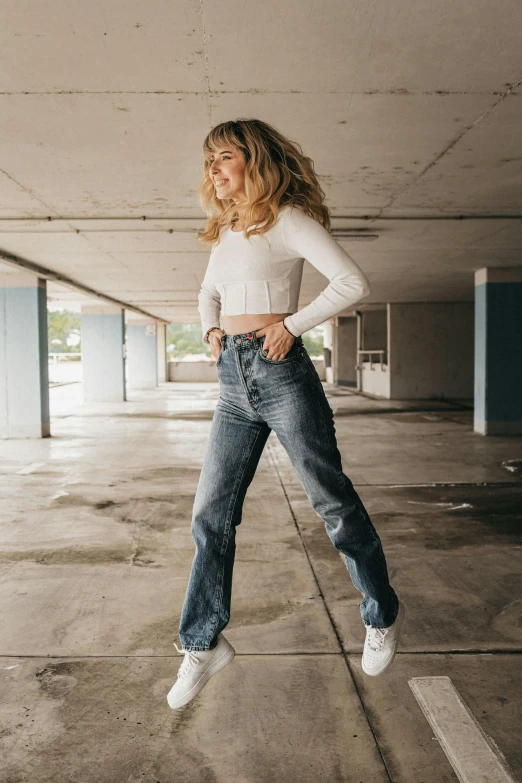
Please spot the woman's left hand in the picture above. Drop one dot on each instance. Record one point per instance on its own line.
(278, 340)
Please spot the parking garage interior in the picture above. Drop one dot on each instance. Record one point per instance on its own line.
(412, 115)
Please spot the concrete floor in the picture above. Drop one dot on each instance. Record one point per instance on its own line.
(95, 553)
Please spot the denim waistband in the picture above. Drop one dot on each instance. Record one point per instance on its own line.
(248, 338)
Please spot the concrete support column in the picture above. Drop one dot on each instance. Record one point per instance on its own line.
(345, 351)
(162, 351)
(142, 353)
(498, 351)
(103, 359)
(24, 368)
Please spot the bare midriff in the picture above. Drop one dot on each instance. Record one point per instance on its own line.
(238, 324)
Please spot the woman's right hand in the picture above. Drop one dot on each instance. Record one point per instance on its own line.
(214, 339)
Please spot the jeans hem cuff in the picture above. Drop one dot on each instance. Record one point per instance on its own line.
(198, 647)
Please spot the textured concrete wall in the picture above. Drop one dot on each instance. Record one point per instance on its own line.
(205, 371)
(431, 350)
(374, 330)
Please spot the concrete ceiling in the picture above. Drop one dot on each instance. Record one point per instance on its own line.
(412, 112)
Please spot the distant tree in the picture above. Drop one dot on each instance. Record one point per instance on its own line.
(314, 341)
(185, 339)
(61, 324)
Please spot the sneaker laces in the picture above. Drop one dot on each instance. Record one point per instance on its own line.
(190, 662)
(375, 638)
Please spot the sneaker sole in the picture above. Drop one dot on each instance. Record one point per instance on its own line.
(218, 664)
(399, 620)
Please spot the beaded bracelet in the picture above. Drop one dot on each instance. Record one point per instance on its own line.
(205, 338)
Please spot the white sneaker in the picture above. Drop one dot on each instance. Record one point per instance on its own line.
(196, 670)
(380, 645)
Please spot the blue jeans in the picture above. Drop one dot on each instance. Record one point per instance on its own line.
(258, 395)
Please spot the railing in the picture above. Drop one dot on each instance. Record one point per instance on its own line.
(382, 359)
(55, 356)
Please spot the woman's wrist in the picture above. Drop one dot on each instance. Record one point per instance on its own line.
(212, 328)
(287, 329)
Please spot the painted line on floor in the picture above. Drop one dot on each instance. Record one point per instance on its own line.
(473, 755)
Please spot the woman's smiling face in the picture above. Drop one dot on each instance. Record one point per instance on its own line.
(227, 172)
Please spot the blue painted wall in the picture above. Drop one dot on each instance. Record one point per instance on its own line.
(498, 352)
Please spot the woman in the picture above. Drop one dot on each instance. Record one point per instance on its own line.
(266, 216)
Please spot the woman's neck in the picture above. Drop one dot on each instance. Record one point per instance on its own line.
(240, 224)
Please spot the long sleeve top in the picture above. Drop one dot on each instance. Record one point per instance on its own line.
(263, 274)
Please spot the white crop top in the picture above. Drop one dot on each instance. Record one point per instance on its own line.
(263, 274)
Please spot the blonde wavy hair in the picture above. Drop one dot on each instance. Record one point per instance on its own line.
(277, 173)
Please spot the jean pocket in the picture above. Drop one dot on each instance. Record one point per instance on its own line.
(291, 356)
